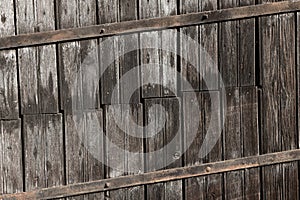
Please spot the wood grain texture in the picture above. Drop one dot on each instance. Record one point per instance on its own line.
(84, 149)
(37, 65)
(43, 145)
(237, 48)
(158, 138)
(205, 187)
(279, 102)
(11, 174)
(162, 39)
(9, 108)
(78, 61)
(118, 153)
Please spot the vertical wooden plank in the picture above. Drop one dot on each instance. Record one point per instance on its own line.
(84, 148)
(165, 38)
(250, 137)
(237, 48)
(279, 125)
(128, 11)
(79, 70)
(120, 139)
(298, 67)
(37, 65)
(233, 146)
(206, 187)
(43, 144)
(209, 49)
(108, 13)
(158, 139)
(288, 103)
(149, 9)
(11, 176)
(9, 108)
(188, 71)
(167, 59)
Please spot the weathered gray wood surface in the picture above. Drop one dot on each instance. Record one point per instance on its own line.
(43, 151)
(123, 146)
(279, 103)
(9, 108)
(209, 187)
(157, 139)
(37, 65)
(11, 174)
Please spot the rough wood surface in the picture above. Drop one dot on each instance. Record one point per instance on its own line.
(43, 146)
(78, 61)
(11, 174)
(158, 138)
(9, 108)
(124, 145)
(164, 61)
(159, 176)
(37, 65)
(206, 187)
(84, 149)
(149, 24)
(279, 102)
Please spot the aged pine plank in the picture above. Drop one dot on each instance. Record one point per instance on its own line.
(79, 70)
(11, 174)
(108, 13)
(9, 108)
(120, 162)
(84, 149)
(37, 65)
(188, 71)
(43, 145)
(157, 139)
(206, 187)
(250, 139)
(128, 11)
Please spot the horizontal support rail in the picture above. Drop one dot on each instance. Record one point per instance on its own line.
(158, 176)
(111, 29)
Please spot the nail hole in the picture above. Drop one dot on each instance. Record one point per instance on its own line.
(204, 17)
(102, 31)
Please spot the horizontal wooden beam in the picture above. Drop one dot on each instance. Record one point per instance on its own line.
(159, 176)
(110, 29)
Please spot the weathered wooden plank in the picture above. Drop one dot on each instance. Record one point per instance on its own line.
(157, 81)
(279, 102)
(122, 146)
(43, 145)
(250, 139)
(298, 66)
(159, 134)
(208, 187)
(233, 146)
(237, 42)
(108, 13)
(128, 49)
(11, 174)
(8, 66)
(84, 149)
(189, 72)
(37, 65)
(149, 24)
(79, 65)
(159, 176)
(288, 102)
